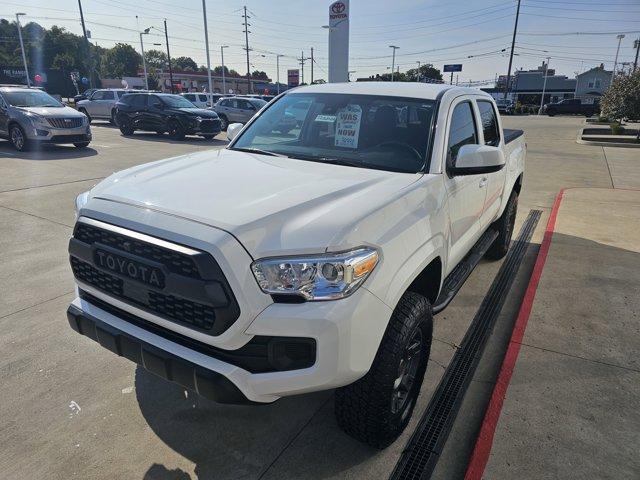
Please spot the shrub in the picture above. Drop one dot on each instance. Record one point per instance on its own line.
(622, 98)
(616, 128)
(517, 110)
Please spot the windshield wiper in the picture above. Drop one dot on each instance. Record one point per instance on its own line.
(259, 151)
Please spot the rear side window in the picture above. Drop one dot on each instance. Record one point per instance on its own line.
(489, 121)
(203, 98)
(191, 98)
(462, 131)
(138, 100)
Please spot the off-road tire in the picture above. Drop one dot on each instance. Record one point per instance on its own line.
(504, 225)
(365, 409)
(112, 120)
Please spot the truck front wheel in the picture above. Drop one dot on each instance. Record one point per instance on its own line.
(377, 408)
(504, 225)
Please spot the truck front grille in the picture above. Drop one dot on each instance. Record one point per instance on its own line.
(194, 292)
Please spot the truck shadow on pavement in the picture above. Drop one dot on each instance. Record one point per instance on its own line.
(236, 441)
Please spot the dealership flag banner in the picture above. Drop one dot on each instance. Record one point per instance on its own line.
(339, 41)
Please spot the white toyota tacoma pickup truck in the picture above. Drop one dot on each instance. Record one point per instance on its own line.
(307, 258)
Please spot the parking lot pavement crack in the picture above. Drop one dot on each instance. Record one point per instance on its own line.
(606, 161)
(293, 438)
(51, 184)
(36, 216)
(36, 304)
(581, 358)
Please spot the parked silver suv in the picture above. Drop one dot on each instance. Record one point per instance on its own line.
(29, 116)
(237, 109)
(101, 105)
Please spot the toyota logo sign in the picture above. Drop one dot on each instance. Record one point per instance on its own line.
(338, 7)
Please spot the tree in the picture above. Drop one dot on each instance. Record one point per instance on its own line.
(218, 70)
(260, 75)
(184, 63)
(427, 71)
(622, 98)
(156, 59)
(121, 61)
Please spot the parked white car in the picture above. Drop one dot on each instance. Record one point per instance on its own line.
(101, 105)
(295, 262)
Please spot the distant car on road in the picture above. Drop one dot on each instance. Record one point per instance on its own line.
(203, 100)
(237, 109)
(571, 106)
(164, 112)
(101, 104)
(29, 116)
(505, 106)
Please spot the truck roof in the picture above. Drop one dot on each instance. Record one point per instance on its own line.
(427, 91)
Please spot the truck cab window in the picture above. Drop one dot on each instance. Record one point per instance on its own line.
(489, 121)
(462, 130)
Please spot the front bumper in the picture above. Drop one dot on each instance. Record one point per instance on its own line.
(48, 134)
(205, 127)
(345, 334)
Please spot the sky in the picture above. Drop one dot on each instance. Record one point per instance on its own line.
(576, 34)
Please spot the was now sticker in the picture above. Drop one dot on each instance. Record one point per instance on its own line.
(348, 126)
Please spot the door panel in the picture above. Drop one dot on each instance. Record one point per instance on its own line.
(466, 194)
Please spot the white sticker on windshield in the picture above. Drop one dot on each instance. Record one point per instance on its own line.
(326, 118)
(348, 126)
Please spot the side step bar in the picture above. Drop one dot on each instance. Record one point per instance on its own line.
(454, 281)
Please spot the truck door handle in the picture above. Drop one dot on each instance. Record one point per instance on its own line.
(483, 182)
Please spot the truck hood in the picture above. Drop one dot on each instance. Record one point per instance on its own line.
(272, 205)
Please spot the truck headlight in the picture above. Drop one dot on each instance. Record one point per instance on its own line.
(316, 277)
(81, 201)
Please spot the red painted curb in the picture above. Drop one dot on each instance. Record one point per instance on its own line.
(484, 442)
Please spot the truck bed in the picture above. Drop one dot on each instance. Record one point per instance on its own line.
(511, 134)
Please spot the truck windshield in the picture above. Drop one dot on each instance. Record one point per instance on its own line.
(367, 131)
(35, 98)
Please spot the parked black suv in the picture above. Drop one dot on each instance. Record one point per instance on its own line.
(571, 106)
(162, 112)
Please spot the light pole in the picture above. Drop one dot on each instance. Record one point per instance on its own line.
(206, 44)
(544, 85)
(615, 64)
(278, 72)
(224, 82)
(393, 61)
(418, 62)
(144, 62)
(24, 56)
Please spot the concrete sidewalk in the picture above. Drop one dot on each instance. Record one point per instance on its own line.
(572, 409)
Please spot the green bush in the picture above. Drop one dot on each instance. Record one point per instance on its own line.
(517, 110)
(616, 128)
(622, 98)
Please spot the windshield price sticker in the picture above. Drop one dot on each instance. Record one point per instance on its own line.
(348, 126)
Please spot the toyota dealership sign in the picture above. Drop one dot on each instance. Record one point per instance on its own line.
(339, 41)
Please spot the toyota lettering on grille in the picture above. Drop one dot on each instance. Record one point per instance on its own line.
(128, 268)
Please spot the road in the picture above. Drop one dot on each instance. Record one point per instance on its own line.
(71, 409)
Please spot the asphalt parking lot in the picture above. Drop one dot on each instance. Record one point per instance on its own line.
(71, 409)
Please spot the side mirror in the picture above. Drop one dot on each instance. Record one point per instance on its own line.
(476, 159)
(233, 130)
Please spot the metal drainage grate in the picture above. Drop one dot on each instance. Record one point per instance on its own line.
(425, 445)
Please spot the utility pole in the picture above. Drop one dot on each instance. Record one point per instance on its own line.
(418, 62)
(278, 71)
(166, 36)
(393, 61)
(86, 41)
(246, 40)
(513, 46)
(302, 59)
(224, 82)
(206, 44)
(24, 56)
(615, 63)
(544, 85)
(636, 44)
(311, 65)
(144, 62)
